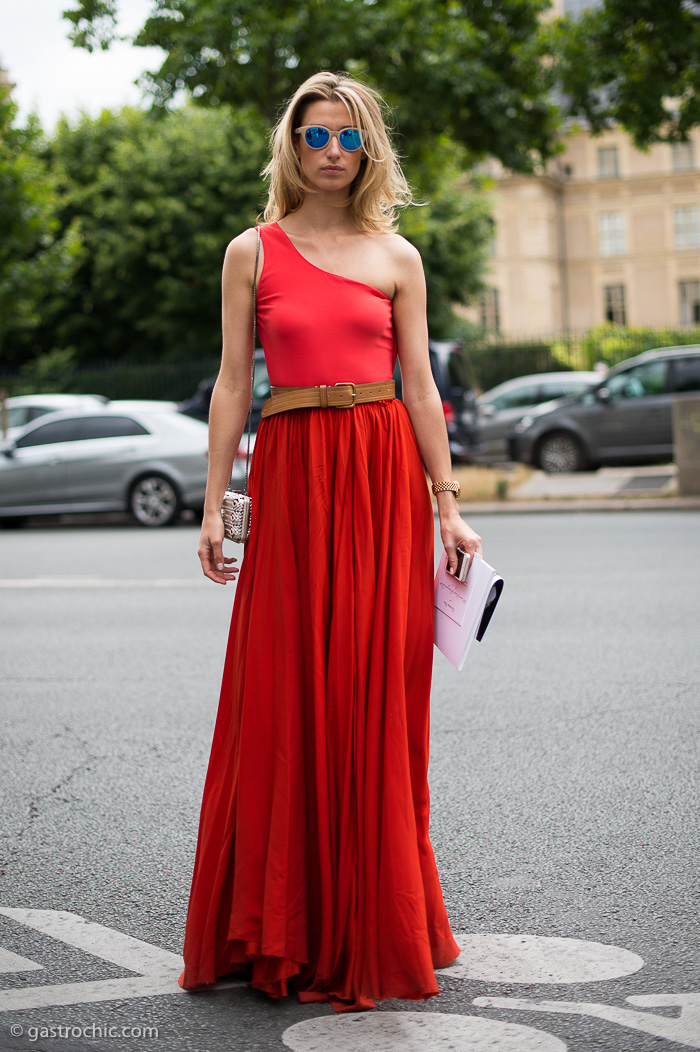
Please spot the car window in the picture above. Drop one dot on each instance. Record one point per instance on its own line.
(457, 370)
(563, 388)
(58, 431)
(640, 381)
(18, 416)
(262, 381)
(686, 374)
(519, 398)
(36, 411)
(110, 427)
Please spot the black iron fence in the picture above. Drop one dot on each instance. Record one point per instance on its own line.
(488, 360)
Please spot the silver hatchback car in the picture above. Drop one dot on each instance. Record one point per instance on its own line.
(139, 458)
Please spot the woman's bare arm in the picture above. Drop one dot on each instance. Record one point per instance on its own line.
(422, 398)
(230, 398)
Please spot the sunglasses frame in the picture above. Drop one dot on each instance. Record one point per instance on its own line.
(331, 133)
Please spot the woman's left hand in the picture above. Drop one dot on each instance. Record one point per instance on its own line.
(456, 534)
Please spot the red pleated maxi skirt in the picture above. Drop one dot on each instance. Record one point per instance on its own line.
(314, 866)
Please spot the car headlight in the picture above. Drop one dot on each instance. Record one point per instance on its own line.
(523, 424)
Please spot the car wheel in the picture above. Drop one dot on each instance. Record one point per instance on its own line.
(559, 452)
(154, 501)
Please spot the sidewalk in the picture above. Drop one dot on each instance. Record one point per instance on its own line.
(651, 488)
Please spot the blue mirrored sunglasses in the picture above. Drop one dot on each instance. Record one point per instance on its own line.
(316, 136)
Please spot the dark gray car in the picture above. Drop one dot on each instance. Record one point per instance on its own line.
(503, 406)
(626, 419)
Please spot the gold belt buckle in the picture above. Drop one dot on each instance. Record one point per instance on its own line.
(351, 405)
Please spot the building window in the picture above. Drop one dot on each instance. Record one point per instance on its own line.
(611, 233)
(608, 167)
(689, 296)
(492, 243)
(615, 304)
(685, 226)
(490, 311)
(683, 156)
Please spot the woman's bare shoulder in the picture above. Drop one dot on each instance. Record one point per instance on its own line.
(242, 248)
(405, 261)
(239, 261)
(402, 251)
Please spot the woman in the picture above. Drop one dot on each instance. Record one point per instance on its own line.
(314, 870)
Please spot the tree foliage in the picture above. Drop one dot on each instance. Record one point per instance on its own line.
(157, 202)
(632, 62)
(38, 254)
(470, 69)
(452, 231)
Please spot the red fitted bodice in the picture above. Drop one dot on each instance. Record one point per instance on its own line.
(317, 327)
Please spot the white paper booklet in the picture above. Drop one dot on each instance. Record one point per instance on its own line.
(463, 610)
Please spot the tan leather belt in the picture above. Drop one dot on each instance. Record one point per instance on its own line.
(326, 396)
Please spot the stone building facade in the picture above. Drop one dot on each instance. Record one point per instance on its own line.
(608, 233)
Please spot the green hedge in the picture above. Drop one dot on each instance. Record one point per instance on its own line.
(496, 360)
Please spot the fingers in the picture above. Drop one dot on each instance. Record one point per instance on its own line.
(451, 563)
(214, 565)
(460, 537)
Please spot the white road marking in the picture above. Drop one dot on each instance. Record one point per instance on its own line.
(27, 998)
(683, 1029)
(12, 962)
(102, 582)
(504, 958)
(416, 1032)
(158, 969)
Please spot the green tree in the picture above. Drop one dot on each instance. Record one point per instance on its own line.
(452, 231)
(632, 62)
(157, 202)
(38, 255)
(471, 70)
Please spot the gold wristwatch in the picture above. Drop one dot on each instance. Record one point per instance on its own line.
(440, 487)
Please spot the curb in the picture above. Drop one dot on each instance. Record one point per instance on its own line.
(575, 504)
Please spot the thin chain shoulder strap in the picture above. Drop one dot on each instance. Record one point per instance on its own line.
(252, 364)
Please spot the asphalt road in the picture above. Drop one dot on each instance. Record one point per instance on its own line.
(564, 779)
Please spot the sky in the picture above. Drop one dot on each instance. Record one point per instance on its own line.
(53, 77)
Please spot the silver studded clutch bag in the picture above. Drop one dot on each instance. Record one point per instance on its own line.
(235, 511)
(237, 506)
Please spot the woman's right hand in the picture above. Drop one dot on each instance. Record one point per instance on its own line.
(214, 565)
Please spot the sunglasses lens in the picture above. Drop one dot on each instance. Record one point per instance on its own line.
(316, 137)
(350, 139)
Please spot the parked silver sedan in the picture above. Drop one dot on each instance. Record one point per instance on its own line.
(147, 460)
(24, 409)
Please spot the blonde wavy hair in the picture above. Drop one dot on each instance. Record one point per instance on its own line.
(380, 187)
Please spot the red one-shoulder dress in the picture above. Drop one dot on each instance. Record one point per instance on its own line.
(314, 871)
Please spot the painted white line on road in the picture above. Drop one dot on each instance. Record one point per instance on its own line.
(12, 962)
(102, 942)
(683, 1029)
(28, 998)
(504, 958)
(159, 969)
(102, 582)
(416, 1032)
